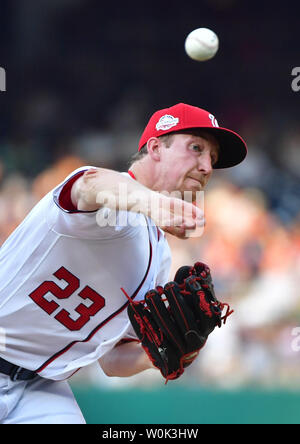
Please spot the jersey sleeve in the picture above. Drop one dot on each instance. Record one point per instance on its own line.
(62, 194)
(65, 219)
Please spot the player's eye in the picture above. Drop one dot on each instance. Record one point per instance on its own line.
(196, 148)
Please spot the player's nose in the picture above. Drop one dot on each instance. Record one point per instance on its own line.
(205, 163)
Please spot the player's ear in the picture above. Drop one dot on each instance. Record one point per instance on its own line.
(154, 147)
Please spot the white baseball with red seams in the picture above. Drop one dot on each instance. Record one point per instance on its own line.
(201, 44)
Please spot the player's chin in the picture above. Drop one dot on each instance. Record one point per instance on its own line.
(192, 190)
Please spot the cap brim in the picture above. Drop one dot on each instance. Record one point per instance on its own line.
(233, 149)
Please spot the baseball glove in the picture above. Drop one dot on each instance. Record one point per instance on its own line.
(173, 322)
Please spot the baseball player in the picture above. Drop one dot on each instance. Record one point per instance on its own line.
(66, 277)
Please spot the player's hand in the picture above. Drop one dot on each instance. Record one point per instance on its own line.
(180, 218)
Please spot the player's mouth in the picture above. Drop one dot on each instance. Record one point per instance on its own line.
(198, 180)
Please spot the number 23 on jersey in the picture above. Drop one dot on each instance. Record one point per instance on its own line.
(63, 316)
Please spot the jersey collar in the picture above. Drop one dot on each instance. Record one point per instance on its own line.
(131, 174)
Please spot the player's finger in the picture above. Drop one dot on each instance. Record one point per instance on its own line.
(163, 318)
(180, 309)
(195, 232)
(193, 212)
(179, 232)
(202, 302)
(182, 273)
(143, 323)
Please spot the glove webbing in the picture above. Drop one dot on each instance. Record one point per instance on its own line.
(204, 305)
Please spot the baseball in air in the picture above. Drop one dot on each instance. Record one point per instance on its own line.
(201, 44)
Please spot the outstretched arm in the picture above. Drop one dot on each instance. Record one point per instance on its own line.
(100, 187)
(125, 359)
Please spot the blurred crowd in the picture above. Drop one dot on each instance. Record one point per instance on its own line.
(251, 242)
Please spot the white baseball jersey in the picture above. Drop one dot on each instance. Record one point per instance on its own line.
(61, 274)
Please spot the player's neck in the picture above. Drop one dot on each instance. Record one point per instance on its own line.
(144, 173)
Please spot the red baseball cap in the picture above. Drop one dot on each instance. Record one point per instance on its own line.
(179, 117)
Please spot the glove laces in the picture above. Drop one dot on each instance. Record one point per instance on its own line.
(221, 305)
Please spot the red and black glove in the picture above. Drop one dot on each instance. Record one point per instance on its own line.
(173, 322)
(205, 306)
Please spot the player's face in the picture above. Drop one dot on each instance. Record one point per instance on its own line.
(187, 163)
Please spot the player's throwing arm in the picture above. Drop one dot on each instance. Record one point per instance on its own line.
(101, 187)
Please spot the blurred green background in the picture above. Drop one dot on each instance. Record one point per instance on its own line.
(188, 405)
